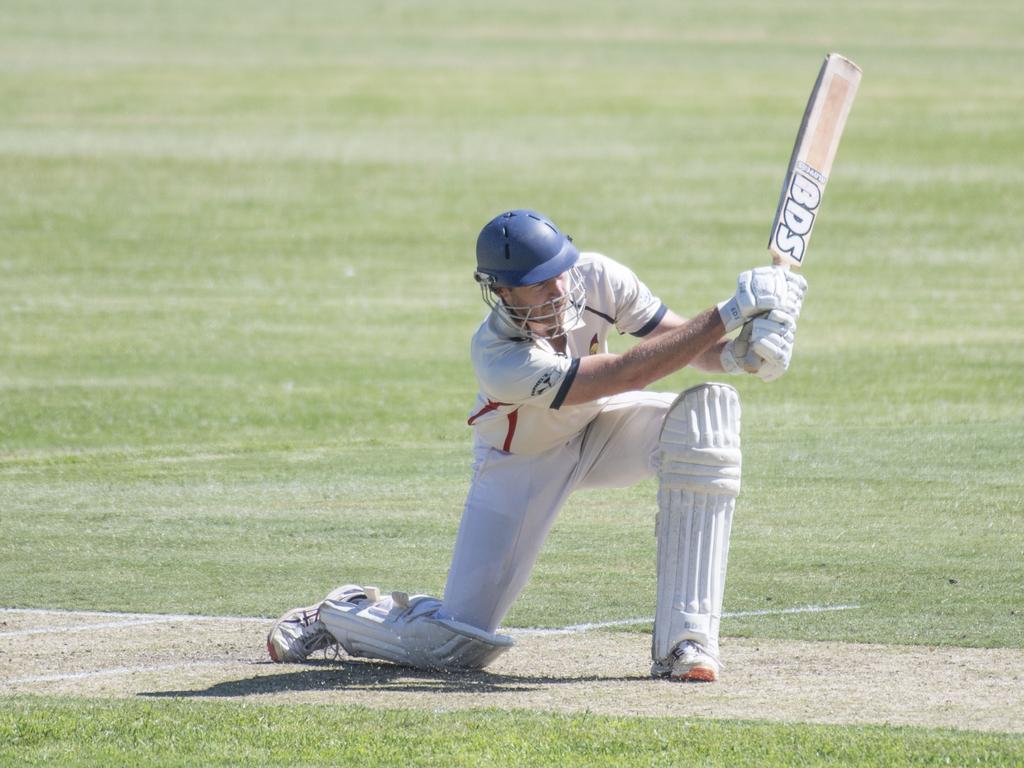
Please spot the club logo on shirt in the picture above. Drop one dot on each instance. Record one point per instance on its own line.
(546, 382)
(594, 345)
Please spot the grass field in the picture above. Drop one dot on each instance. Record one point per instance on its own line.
(236, 298)
(217, 734)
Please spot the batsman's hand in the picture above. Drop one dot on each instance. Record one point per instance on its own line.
(761, 290)
(764, 347)
(771, 344)
(735, 352)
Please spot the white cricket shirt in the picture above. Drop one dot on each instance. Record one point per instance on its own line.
(523, 382)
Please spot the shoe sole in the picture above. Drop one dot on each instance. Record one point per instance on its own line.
(696, 675)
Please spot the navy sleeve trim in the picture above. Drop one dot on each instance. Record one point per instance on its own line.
(563, 390)
(652, 323)
(602, 315)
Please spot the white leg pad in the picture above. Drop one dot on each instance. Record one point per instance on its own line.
(699, 480)
(407, 630)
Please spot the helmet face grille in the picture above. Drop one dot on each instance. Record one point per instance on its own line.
(550, 319)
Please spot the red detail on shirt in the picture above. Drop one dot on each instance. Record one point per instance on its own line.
(491, 405)
(512, 418)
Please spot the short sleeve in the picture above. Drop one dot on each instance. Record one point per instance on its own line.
(526, 374)
(637, 310)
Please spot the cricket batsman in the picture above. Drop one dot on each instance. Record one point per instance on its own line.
(557, 412)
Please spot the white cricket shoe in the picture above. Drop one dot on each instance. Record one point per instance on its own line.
(299, 632)
(689, 662)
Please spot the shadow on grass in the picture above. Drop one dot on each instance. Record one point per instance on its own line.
(365, 675)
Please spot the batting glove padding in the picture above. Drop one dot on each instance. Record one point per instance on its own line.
(770, 346)
(764, 347)
(762, 290)
(771, 342)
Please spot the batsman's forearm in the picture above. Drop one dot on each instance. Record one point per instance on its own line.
(710, 360)
(650, 360)
(687, 345)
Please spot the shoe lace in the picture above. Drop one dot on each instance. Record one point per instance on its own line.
(322, 640)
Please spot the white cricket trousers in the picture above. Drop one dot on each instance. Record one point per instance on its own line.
(513, 501)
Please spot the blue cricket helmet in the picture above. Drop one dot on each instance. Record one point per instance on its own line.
(522, 247)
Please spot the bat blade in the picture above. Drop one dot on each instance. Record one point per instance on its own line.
(811, 162)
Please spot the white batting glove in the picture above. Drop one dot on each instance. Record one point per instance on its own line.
(764, 346)
(771, 344)
(734, 352)
(761, 290)
(776, 323)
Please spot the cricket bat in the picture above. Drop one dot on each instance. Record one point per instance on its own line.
(809, 168)
(811, 162)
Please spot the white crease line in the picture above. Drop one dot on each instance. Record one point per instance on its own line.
(801, 609)
(577, 628)
(127, 620)
(120, 615)
(84, 627)
(120, 671)
(124, 620)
